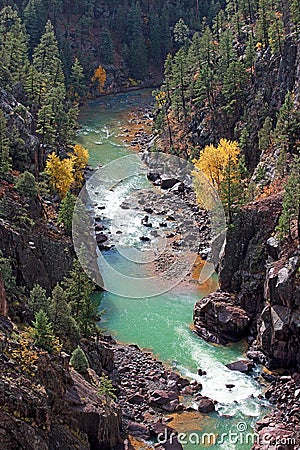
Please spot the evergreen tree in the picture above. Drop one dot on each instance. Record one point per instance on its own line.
(35, 16)
(264, 134)
(106, 48)
(155, 37)
(47, 64)
(106, 388)
(276, 27)
(85, 310)
(26, 185)
(78, 89)
(263, 22)
(227, 53)
(79, 360)
(65, 214)
(38, 299)
(43, 332)
(250, 53)
(234, 86)
(286, 133)
(179, 85)
(13, 48)
(7, 276)
(136, 43)
(5, 160)
(64, 325)
(291, 202)
(181, 32)
(295, 15)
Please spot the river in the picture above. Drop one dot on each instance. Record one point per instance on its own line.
(162, 323)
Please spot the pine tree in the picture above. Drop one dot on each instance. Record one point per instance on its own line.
(64, 325)
(179, 85)
(276, 27)
(291, 202)
(263, 22)
(26, 185)
(35, 17)
(286, 133)
(264, 134)
(65, 214)
(234, 86)
(38, 299)
(106, 388)
(43, 332)
(5, 160)
(136, 43)
(79, 360)
(85, 310)
(77, 86)
(250, 53)
(295, 15)
(181, 32)
(106, 48)
(13, 48)
(47, 64)
(155, 37)
(7, 276)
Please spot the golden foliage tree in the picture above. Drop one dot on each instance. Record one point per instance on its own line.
(99, 77)
(221, 166)
(61, 172)
(80, 157)
(214, 161)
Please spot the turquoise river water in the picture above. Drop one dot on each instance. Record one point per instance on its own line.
(162, 324)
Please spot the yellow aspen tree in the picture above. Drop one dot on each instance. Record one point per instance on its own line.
(81, 158)
(61, 173)
(213, 161)
(100, 77)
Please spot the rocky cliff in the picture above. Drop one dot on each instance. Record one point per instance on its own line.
(44, 404)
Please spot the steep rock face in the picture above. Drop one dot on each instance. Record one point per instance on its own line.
(243, 266)
(46, 405)
(241, 276)
(278, 334)
(37, 258)
(21, 126)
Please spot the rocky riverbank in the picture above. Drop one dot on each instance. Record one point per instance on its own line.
(147, 391)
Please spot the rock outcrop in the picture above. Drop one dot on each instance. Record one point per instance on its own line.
(37, 258)
(218, 319)
(46, 405)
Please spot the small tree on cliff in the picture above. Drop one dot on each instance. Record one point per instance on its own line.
(26, 185)
(291, 202)
(106, 388)
(65, 215)
(43, 332)
(79, 360)
(38, 299)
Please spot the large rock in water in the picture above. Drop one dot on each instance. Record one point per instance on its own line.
(217, 319)
(244, 366)
(206, 405)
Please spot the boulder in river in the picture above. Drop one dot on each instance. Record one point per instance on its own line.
(217, 319)
(206, 405)
(244, 366)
